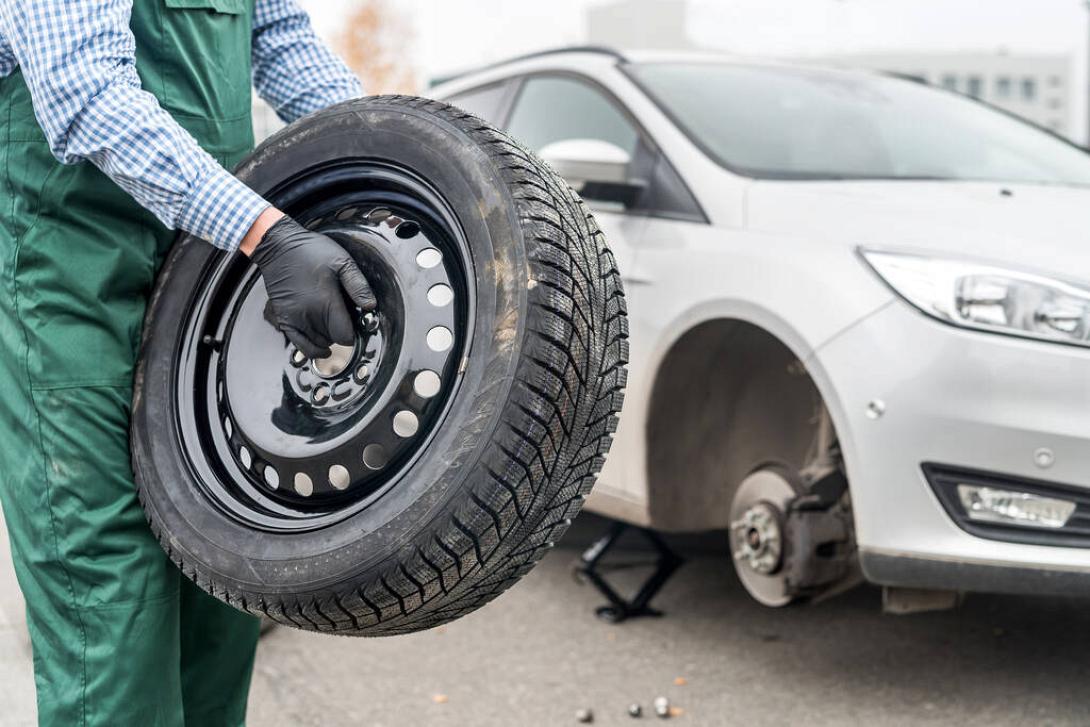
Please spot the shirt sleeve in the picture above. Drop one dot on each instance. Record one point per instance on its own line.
(294, 71)
(78, 60)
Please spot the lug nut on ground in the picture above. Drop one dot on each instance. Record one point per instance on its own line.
(635, 710)
(662, 707)
(585, 716)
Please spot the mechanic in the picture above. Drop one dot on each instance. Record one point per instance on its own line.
(119, 119)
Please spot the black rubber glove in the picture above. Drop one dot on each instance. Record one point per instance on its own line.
(307, 276)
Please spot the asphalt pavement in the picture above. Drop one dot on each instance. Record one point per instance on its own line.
(537, 655)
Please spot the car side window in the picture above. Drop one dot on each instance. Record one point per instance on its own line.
(486, 102)
(551, 109)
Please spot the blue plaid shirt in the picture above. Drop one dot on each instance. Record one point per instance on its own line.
(77, 57)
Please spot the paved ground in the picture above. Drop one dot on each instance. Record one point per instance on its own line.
(537, 654)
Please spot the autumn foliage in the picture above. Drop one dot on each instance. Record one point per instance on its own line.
(375, 44)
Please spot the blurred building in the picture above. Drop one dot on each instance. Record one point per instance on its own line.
(1035, 87)
(639, 24)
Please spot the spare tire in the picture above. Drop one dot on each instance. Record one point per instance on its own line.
(407, 480)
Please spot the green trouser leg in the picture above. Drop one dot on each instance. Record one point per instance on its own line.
(119, 636)
(217, 650)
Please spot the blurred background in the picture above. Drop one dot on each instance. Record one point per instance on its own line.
(541, 655)
(1028, 56)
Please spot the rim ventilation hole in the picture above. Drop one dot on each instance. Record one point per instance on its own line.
(374, 456)
(426, 384)
(407, 229)
(303, 485)
(378, 215)
(428, 258)
(440, 339)
(245, 458)
(339, 477)
(272, 477)
(405, 424)
(229, 428)
(346, 214)
(440, 295)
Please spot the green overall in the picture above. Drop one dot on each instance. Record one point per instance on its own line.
(119, 636)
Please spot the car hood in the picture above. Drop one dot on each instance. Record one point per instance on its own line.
(1036, 227)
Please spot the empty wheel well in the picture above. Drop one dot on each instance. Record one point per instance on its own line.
(728, 397)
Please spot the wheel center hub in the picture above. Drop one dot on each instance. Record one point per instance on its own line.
(758, 538)
(336, 362)
(344, 375)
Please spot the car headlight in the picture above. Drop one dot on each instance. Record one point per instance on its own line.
(988, 297)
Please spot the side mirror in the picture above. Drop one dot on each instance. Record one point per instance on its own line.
(595, 169)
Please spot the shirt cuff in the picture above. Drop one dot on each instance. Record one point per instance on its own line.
(221, 209)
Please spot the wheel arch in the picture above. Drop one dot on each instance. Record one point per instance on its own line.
(708, 413)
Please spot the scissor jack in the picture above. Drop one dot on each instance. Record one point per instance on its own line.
(590, 569)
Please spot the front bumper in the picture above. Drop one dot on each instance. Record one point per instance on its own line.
(963, 399)
(961, 575)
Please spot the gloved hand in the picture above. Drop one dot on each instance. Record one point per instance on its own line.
(307, 276)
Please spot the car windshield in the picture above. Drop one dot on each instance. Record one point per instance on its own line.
(790, 123)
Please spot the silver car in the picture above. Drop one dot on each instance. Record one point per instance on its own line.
(860, 312)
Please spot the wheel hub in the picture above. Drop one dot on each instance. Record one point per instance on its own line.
(342, 376)
(334, 364)
(759, 538)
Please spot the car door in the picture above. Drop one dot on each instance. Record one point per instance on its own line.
(551, 109)
(546, 109)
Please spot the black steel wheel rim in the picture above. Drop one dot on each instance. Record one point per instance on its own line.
(283, 443)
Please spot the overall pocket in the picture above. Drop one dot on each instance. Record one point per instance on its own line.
(199, 62)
